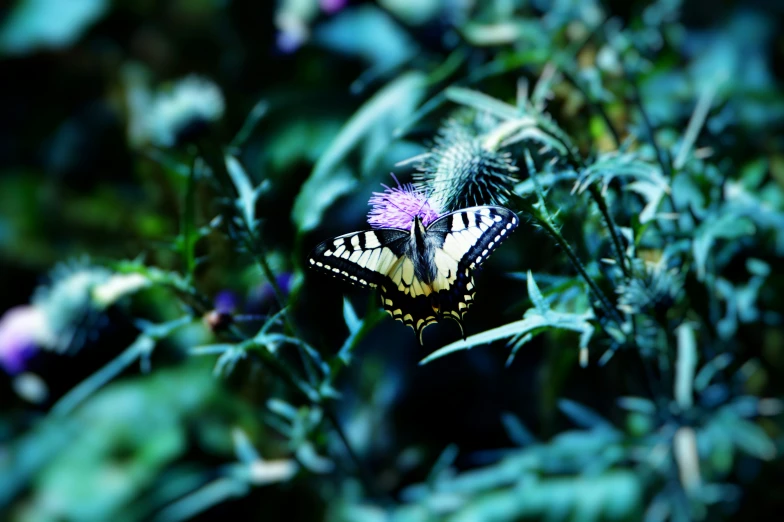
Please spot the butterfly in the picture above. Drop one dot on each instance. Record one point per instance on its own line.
(426, 273)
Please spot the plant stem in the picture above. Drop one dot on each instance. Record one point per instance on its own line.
(595, 107)
(215, 158)
(614, 233)
(661, 157)
(364, 474)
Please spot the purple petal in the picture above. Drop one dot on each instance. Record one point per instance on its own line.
(396, 207)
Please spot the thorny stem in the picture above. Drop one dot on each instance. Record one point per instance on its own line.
(664, 161)
(364, 474)
(578, 164)
(214, 157)
(546, 220)
(596, 107)
(616, 237)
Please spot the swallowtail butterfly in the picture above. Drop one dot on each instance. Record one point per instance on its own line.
(424, 274)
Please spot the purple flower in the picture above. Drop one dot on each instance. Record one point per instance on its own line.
(332, 6)
(265, 293)
(396, 207)
(226, 302)
(20, 329)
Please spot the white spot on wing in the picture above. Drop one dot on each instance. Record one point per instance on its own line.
(371, 240)
(372, 263)
(363, 259)
(386, 260)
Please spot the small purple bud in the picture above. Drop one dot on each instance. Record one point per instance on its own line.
(20, 327)
(264, 294)
(226, 302)
(396, 207)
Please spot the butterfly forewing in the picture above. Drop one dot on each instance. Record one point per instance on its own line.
(362, 258)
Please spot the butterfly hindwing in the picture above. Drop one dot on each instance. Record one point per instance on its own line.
(464, 239)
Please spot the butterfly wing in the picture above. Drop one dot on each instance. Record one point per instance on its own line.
(419, 283)
(463, 240)
(361, 258)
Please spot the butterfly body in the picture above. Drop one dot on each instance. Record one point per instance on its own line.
(425, 273)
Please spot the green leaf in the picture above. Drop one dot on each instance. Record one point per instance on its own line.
(218, 491)
(309, 458)
(283, 408)
(517, 31)
(246, 193)
(724, 226)
(706, 373)
(357, 330)
(536, 295)
(314, 198)
(143, 345)
(583, 416)
(749, 437)
(350, 316)
(516, 430)
(249, 125)
(35, 24)
(482, 103)
(534, 323)
(389, 106)
(369, 33)
(443, 462)
(637, 404)
(243, 447)
(685, 366)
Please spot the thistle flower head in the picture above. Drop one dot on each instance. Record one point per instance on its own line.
(653, 286)
(69, 304)
(463, 171)
(22, 329)
(184, 111)
(396, 207)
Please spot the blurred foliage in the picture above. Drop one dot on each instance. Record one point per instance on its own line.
(167, 166)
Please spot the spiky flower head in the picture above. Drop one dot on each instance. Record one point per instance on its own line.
(74, 300)
(653, 287)
(396, 207)
(184, 111)
(462, 169)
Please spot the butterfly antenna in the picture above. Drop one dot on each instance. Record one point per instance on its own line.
(427, 201)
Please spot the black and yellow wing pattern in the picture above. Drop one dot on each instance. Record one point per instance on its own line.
(424, 274)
